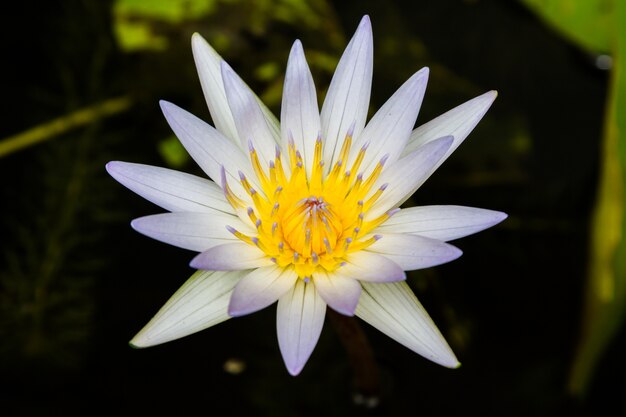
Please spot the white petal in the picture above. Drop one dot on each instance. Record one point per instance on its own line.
(394, 310)
(414, 252)
(367, 266)
(208, 66)
(231, 257)
(405, 176)
(339, 292)
(209, 148)
(299, 320)
(389, 130)
(250, 120)
(200, 303)
(172, 190)
(458, 122)
(300, 116)
(441, 222)
(348, 97)
(193, 231)
(260, 288)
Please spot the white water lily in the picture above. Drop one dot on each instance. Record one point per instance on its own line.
(306, 212)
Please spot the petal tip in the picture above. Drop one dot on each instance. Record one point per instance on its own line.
(197, 39)
(487, 98)
(456, 253)
(166, 107)
(398, 274)
(198, 262)
(136, 224)
(499, 216)
(112, 167)
(449, 361)
(297, 45)
(365, 23)
(227, 70)
(236, 309)
(445, 141)
(294, 369)
(138, 342)
(345, 310)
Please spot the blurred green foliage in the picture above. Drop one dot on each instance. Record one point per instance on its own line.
(137, 20)
(600, 26)
(590, 24)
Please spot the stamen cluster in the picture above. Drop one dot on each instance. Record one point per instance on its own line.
(313, 221)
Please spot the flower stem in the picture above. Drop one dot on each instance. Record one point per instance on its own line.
(361, 356)
(63, 124)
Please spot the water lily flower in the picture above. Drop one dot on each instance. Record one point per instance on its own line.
(306, 211)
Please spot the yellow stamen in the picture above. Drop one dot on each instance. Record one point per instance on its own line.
(308, 224)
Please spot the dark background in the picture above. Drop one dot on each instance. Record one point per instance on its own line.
(76, 283)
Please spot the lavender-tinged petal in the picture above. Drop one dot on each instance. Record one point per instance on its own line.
(414, 252)
(261, 288)
(231, 257)
(194, 231)
(348, 97)
(371, 267)
(394, 310)
(407, 175)
(339, 292)
(200, 303)
(458, 123)
(390, 128)
(441, 222)
(300, 118)
(299, 321)
(209, 148)
(208, 65)
(169, 189)
(252, 126)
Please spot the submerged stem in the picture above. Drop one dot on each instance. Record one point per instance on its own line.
(63, 124)
(361, 356)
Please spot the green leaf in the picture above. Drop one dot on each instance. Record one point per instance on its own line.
(138, 22)
(587, 23)
(606, 291)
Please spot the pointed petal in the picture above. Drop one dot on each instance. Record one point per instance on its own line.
(208, 66)
(414, 252)
(261, 288)
(394, 310)
(339, 292)
(367, 266)
(251, 123)
(194, 231)
(441, 222)
(299, 321)
(458, 123)
(300, 116)
(209, 148)
(231, 257)
(200, 303)
(172, 190)
(390, 128)
(407, 175)
(348, 97)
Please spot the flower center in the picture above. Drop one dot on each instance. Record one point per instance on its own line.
(309, 221)
(310, 226)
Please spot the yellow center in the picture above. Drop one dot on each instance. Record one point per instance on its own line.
(311, 222)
